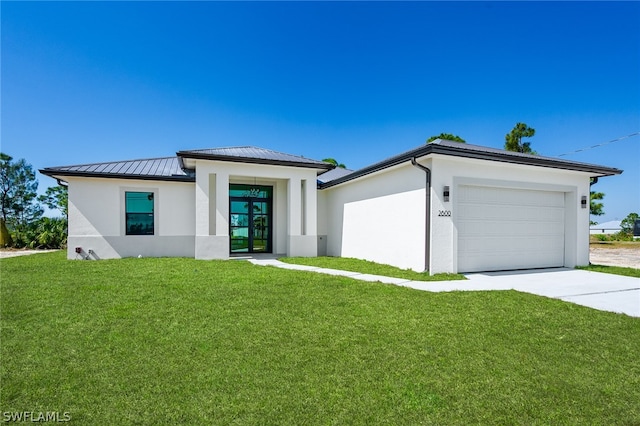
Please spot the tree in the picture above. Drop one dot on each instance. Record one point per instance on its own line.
(447, 136)
(56, 198)
(49, 233)
(5, 235)
(18, 192)
(628, 223)
(334, 162)
(6, 169)
(513, 140)
(595, 208)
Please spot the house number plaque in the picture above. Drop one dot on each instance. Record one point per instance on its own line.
(444, 213)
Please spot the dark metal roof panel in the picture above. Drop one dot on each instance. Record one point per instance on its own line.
(151, 169)
(147, 166)
(252, 154)
(109, 167)
(465, 150)
(336, 173)
(136, 167)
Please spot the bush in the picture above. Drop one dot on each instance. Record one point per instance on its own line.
(45, 233)
(619, 236)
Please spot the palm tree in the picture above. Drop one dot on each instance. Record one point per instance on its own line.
(334, 162)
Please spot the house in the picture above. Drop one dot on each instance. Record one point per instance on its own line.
(441, 207)
(611, 227)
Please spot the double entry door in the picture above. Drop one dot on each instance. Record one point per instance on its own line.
(250, 221)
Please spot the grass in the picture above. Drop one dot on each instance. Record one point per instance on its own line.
(181, 341)
(366, 267)
(617, 270)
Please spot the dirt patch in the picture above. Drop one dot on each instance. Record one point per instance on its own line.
(628, 256)
(14, 253)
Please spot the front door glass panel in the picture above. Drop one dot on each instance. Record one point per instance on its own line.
(250, 218)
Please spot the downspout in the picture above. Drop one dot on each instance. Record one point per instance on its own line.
(427, 225)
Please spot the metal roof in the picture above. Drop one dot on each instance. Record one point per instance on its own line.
(173, 168)
(167, 168)
(458, 149)
(612, 224)
(252, 154)
(336, 173)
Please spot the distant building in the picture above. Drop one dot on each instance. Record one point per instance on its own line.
(611, 227)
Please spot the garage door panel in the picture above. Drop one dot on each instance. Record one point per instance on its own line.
(503, 228)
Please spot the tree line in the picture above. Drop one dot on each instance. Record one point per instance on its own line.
(22, 220)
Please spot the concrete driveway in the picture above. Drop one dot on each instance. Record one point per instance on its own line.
(606, 292)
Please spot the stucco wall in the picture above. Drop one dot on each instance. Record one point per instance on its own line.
(453, 172)
(97, 219)
(379, 217)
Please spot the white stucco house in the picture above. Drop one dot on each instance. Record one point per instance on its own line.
(611, 227)
(441, 207)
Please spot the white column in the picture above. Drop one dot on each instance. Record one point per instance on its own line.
(202, 202)
(212, 213)
(222, 205)
(294, 205)
(311, 208)
(297, 243)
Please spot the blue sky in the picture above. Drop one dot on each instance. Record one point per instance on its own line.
(359, 81)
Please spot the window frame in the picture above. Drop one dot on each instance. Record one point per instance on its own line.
(125, 213)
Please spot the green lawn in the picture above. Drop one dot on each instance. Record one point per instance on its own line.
(616, 270)
(181, 341)
(366, 267)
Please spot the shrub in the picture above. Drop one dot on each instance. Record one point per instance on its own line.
(45, 233)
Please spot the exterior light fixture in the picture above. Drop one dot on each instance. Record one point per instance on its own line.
(583, 202)
(445, 194)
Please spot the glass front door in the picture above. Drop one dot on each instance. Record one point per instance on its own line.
(250, 218)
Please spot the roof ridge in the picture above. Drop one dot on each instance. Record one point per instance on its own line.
(245, 146)
(253, 154)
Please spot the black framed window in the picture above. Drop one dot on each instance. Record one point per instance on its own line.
(139, 213)
(250, 221)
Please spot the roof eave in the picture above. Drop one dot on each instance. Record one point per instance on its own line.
(428, 149)
(393, 161)
(213, 157)
(56, 173)
(532, 160)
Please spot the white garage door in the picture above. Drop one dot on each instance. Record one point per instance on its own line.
(503, 228)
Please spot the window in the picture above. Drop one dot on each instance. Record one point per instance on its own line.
(139, 213)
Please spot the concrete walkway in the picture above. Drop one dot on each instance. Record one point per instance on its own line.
(605, 292)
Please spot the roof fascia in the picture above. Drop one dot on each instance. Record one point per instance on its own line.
(478, 155)
(532, 160)
(393, 161)
(56, 173)
(211, 157)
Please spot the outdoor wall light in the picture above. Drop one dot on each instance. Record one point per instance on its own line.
(445, 194)
(583, 202)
